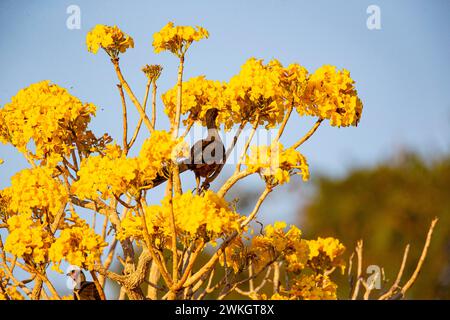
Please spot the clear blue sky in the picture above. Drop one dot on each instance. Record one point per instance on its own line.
(401, 71)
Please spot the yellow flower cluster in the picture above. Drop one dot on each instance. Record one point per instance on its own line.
(177, 39)
(294, 80)
(4, 205)
(105, 175)
(261, 93)
(236, 255)
(12, 292)
(115, 173)
(325, 253)
(306, 260)
(276, 164)
(79, 245)
(309, 287)
(152, 72)
(330, 94)
(207, 216)
(47, 115)
(198, 95)
(278, 243)
(28, 239)
(36, 191)
(159, 150)
(111, 39)
(274, 244)
(258, 91)
(256, 94)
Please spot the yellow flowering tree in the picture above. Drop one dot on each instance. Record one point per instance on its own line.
(73, 171)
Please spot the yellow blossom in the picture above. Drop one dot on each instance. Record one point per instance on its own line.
(325, 253)
(105, 175)
(49, 117)
(28, 239)
(256, 94)
(276, 243)
(294, 81)
(208, 216)
(313, 287)
(78, 245)
(278, 296)
(235, 255)
(330, 94)
(111, 39)
(199, 95)
(35, 190)
(152, 72)
(159, 150)
(115, 173)
(13, 294)
(276, 164)
(177, 39)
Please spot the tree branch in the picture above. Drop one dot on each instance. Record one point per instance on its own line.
(308, 134)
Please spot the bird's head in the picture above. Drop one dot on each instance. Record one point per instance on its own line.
(76, 275)
(210, 117)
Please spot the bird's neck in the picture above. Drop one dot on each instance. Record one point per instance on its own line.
(212, 133)
(211, 122)
(212, 128)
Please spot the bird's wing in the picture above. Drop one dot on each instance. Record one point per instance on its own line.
(88, 291)
(214, 153)
(208, 151)
(197, 151)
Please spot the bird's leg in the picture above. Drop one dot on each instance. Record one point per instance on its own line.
(205, 185)
(197, 180)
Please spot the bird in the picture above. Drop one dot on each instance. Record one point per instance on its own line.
(83, 290)
(206, 158)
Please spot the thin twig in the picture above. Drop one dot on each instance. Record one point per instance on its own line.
(130, 93)
(153, 103)
(232, 181)
(395, 286)
(247, 144)
(124, 119)
(283, 124)
(413, 278)
(308, 134)
(359, 253)
(144, 106)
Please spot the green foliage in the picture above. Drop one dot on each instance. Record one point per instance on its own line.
(389, 206)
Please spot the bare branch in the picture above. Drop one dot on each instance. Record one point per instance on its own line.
(359, 253)
(138, 127)
(395, 286)
(124, 119)
(413, 278)
(308, 134)
(130, 93)
(283, 124)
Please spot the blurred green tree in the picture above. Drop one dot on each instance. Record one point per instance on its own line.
(389, 206)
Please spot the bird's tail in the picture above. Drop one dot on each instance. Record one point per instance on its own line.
(183, 165)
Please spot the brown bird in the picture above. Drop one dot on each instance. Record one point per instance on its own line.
(207, 156)
(83, 290)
